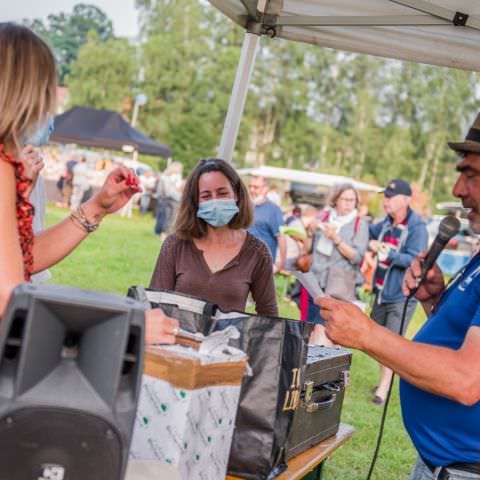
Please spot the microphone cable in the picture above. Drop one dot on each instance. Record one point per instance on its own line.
(387, 399)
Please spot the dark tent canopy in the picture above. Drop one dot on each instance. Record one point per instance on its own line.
(103, 129)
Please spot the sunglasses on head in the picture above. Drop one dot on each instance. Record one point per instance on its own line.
(210, 161)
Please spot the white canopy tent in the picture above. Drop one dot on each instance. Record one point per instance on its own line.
(308, 178)
(437, 32)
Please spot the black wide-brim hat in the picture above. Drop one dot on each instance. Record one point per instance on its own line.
(472, 140)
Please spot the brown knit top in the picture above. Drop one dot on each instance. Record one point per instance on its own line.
(181, 267)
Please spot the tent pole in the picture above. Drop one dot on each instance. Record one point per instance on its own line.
(239, 95)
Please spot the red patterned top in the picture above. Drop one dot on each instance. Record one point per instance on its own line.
(25, 212)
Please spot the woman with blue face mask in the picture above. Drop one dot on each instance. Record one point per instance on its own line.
(211, 255)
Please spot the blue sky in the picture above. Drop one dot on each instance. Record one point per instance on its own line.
(122, 12)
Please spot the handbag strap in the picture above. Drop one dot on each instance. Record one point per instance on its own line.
(356, 228)
(184, 302)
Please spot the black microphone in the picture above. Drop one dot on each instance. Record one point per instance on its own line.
(447, 229)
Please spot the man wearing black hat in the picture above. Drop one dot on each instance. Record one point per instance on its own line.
(440, 367)
(396, 241)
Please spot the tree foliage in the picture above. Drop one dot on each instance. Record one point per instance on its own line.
(104, 73)
(308, 107)
(67, 32)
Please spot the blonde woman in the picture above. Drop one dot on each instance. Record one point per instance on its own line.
(27, 104)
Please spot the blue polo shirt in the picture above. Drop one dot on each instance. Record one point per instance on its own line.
(444, 431)
(267, 221)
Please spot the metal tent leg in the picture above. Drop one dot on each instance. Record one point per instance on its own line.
(239, 95)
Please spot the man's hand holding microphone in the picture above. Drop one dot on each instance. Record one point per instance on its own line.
(347, 325)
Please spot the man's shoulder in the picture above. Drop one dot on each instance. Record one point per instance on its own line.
(268, 208)
(416, 221)
(380, 223)
(268, 204)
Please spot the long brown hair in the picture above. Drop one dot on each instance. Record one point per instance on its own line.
(27, 83)
(187, 224)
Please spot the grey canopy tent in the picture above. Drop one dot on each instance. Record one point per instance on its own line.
(104, 129)
(437, 32)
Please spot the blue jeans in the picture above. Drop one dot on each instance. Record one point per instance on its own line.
(422, 472)
(165, 215)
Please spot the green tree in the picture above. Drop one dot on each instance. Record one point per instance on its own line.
(308, 107)
(67, 32)
(189, 63)
(103, 74)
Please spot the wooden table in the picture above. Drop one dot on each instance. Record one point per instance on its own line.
(311, 461)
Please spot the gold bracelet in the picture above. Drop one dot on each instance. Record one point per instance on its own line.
(80, 217)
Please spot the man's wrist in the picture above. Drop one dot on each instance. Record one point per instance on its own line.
(368, 340)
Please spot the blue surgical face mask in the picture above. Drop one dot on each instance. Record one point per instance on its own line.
(217, 213)
(41, 135)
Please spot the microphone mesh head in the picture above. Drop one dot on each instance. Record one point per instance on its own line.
(448, 228)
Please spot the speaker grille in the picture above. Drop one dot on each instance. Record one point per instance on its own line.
(68, 445)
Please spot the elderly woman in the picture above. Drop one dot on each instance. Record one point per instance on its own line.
(339, 243)
(211, 255)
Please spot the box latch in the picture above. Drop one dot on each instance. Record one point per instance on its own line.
(308, 391)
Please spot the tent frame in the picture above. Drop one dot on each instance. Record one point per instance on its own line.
(258, 23)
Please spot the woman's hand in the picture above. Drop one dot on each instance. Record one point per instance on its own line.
(330, 231)
(374, 246)
(33, 163)
(119, 187)
(159, 328)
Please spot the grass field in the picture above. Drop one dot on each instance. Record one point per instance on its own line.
(123, 252)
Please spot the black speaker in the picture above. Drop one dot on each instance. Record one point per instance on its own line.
(71, 363)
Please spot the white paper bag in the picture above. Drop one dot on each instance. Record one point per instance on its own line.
(181, 421)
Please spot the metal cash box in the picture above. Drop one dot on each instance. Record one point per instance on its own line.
(319, 398)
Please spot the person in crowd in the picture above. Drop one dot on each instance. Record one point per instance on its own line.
(439, 371)
(274, 196)
(67, 182)
(169, 191)
(295, 216)
(80, 183)
(395, 241)
(211, 255)
(27, 103)
(367, 267)
(338, 245)
(295, 237)
(148, 182)
(267, 220)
